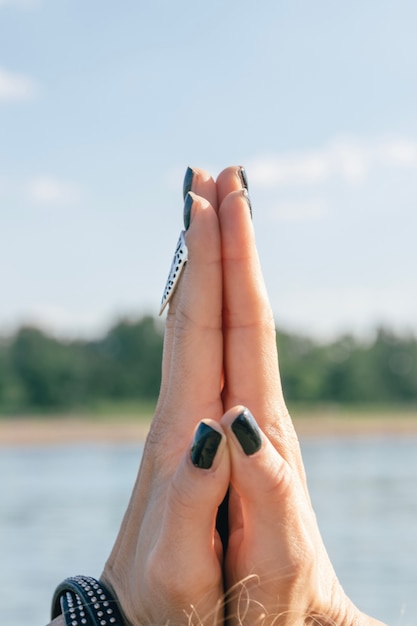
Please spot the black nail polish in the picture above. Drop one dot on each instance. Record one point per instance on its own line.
(247, 432)
(188, 181)
(243, 178)
(188, 204)
(205, 445)
(247, 198)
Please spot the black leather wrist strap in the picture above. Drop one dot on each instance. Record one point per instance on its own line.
(84, 601)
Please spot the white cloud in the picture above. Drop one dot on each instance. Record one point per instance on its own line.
(289, 169)
(16, 87)
(400, 152)
(67, 322)
(348, 159)
(47, 191)
(345, 158)
(300, 211)
(329, 312)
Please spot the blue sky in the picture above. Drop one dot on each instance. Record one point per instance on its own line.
(103, 105)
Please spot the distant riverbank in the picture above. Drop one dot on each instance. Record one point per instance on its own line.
(326, 422)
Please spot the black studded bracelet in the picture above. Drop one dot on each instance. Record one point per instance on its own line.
(84, 601)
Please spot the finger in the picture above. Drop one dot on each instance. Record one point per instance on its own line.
(250, 347)
(202, 184)
(233, 178)
(258, 471)
(180, 572)
(276, 546)
(198, 487)
(275, 511)
(250, 354)
(188, 548)
(194, 327)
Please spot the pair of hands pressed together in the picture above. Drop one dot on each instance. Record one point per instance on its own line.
(168, 564)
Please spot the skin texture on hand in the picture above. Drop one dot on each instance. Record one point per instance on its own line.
(166, 562)
(220, 365)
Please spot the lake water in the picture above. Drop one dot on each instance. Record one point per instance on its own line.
(60, 509)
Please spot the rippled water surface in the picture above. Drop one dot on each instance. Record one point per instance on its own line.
(60, 509)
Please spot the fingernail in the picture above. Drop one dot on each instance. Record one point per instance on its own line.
(188, 181)
(188, 204)
(244, 181)
(247, 432)
(243, 177)
(249, 203)
(205, 446)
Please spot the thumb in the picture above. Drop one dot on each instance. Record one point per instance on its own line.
(273, 505)
(197, 489)
(185, 565)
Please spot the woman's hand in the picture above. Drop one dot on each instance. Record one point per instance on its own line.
(277, 569)
(166, 565)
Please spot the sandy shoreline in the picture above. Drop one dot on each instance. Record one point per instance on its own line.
(69, 430)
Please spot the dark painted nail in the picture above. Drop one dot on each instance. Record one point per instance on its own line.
(247, 198)
(188, 204)
(247, 432)
(243, 177)
(205, 445)
(244, 180)
(188, 181)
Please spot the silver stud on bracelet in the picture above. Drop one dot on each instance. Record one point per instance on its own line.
(85, 602)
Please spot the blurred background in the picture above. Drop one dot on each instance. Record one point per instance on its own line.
(103, 105)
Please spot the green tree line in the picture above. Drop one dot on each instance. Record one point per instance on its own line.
(40, 373)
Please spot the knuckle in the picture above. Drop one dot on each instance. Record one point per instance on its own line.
(181, 499)
(281, 483)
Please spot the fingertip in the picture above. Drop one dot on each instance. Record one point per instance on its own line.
(243, 429)
(202, 477)
(235, 217)
(203, 473)
(188, 205)
(238, 198)
(188, 181)
(247, 432)
(243, 177)
(202, 183)
(203, 234)
(208, 445)
(257, 468)
(232, 178)
(195, 204)
(192, 202)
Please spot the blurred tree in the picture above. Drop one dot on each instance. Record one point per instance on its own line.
(300, 366)
(128, 360)
(42, 373)
(47, 369)
(349, 371)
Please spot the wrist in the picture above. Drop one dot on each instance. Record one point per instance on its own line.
(84, 600)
